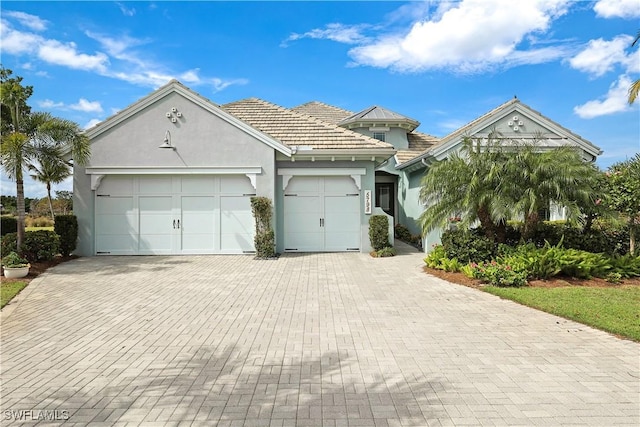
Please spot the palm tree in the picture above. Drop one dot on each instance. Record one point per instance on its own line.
(536, 178)
(30, 137)
(464, 186)
(50, 170)
(634, 90)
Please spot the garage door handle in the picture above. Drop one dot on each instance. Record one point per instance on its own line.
(178, 223)
(174, 224)
(321, 222)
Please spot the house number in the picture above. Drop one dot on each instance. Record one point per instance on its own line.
(367, 202)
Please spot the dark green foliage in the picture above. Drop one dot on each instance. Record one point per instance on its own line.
(379, 232)
(8, 224)
(13, 260)
(402, 233)
(468, 245)
(66, 227)
(385, 252)
(264, 239)
(41, 245)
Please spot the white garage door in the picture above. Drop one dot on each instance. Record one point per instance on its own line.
(321, 214)
(153, 215)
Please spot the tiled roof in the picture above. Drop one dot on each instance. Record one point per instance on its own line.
(418, 142)
(295, 129)
(322, 111)
(377, 113)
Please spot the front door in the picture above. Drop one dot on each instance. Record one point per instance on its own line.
(385, 197)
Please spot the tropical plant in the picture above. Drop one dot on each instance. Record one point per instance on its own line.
(13, 260)
(634, 90)
(464, 187)
(623, 194)
(534, 178)
(29, 137)
(50, 170)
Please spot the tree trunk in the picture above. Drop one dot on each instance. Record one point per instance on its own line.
(501, 232)
(53, 217)
(21, 213)
(632, 238)
(531, 221)
(487, 223)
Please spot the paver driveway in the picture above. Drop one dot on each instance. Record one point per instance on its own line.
(305, 340)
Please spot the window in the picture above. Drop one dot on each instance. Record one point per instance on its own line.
(380, 136)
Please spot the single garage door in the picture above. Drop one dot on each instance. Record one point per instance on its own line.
(163, 215)
(321, 214)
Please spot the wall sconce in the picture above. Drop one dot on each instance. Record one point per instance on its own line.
(166, 143)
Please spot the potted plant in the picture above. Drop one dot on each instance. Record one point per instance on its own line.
(14, 266)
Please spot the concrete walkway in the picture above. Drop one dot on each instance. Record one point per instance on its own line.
(305, 340)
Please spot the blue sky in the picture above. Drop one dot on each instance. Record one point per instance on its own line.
(441, 63)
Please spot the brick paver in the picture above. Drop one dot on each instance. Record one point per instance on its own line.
(305, 340)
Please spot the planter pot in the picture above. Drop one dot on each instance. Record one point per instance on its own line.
(15, 272)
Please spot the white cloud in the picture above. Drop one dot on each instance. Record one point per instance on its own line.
(32, 22)
(601, 56)
(220, 84)
(615, 101)
(82, 105)
(617, 9)
(349, 34)
(49, 104)
(66, 54)
(87, 106)
(125, 10)
(469, 36)
(16, 42)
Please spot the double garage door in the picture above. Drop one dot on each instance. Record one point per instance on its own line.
(321, 214)
(163, 215)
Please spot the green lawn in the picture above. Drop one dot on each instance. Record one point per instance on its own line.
(10, 290)
(612, 309)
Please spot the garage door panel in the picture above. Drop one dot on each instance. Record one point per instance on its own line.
(116, 185)
(200, 184)
(155, 185)
(116, 226)
(236, 224)
(322, 214)
(156, 224)
(198, 226)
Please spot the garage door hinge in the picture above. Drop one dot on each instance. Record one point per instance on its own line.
(290, 249)
(102, 253)
(249, 194)
(288, 195)
(104, 195)
(353, 249)
(353, 194)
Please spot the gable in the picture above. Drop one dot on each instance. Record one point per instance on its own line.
(511, 121)
(202, 132)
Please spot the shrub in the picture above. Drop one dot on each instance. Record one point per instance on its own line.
(468, 245)
(435, 257)
(264, 239)
(379, 232)
(497, 274)
(41, 245)
(66, 227)
(626, 265)
(8, 224)
(385, 252)
(402, 232)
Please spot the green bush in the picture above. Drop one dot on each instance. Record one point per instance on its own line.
(435, 257)
(8, 224)
(625, 265)
(496, 274)
(66, 227)
(468, 245)
(13, 260)
(379, 232)
(385, 252)
(41, 245)
(402, 232)
(264, 240)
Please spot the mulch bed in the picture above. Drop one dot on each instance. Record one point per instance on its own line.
(556, 282)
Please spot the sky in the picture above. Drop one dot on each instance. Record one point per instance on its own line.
(441, 63)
